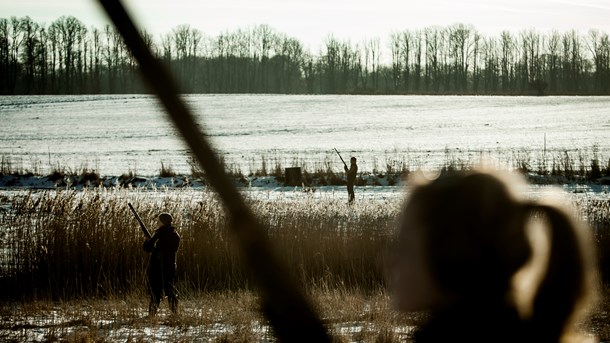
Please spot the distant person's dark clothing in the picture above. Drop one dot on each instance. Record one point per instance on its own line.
(161, 271)
(351, 179)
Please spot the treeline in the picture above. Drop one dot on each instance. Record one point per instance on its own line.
(67, 57)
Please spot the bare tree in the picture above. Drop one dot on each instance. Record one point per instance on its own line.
(373, 46)
(112, 57)
(532, 62)
(407, 48)
(553, 46)
(186, 41)
(5, 55)
(475, 62)
(418, 52)
(491, 62)
(357, 68)
(507, 61)
(264, 37)
(293, 63)
(433, 38)
(67, 57)
(309, 72)
(599, 47)
(96, 60)
(331, 63)
(346, 60)
(30, 51)
(15, 43)
(397, 58)
(69, 32)
(460, 50)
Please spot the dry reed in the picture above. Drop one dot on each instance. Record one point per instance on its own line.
(556, 166)
(78, 243)
(65, 244)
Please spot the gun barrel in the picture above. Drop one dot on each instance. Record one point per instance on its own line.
(142, 225)
(337, 151)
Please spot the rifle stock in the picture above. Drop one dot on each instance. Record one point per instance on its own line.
(142, 226)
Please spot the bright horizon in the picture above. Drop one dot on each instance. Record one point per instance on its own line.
(312, 21)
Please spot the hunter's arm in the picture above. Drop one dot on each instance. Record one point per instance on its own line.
(149, 244)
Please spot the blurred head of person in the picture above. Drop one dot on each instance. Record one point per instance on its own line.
(469, 245)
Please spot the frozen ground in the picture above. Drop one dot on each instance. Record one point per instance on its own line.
(114, 134)
(79, 321)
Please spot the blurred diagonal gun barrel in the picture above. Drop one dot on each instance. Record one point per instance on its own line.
(337, 151)
(142, 225)
(288, 310)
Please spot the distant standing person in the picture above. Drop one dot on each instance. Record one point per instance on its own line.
(351, 179)
(161, 271)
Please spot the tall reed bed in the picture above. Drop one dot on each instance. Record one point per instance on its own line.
(66, 244)
(79, 243)
(596, 212)
(69, 244)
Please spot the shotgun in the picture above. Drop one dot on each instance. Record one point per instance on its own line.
(142, 226)
(340, 157)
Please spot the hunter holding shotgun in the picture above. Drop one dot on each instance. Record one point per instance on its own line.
(161, 271)
(351, 173)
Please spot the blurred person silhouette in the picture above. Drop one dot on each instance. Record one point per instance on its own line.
(488, 265)
(351, 179)
(161, 270)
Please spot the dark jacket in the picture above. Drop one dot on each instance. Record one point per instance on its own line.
(351, 173)
(163, 244)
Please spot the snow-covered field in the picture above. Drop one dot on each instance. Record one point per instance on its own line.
(114, 134)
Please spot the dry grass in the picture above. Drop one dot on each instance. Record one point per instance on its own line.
(557, 166)
(64, 244)
(350, 316)
(209, 317)
(213, 317)
(598, 322)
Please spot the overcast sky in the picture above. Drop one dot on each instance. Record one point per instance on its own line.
(311, 21)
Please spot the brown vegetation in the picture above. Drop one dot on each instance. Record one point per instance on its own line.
(552, 167)
(78, 243)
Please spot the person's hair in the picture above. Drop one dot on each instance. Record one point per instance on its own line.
(477, 236)
(353, 159)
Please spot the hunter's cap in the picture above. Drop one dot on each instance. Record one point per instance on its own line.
(166, 218)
